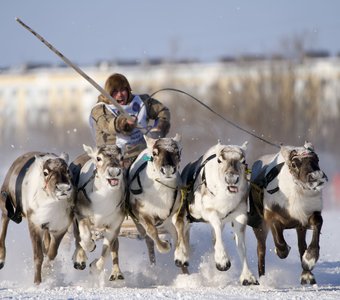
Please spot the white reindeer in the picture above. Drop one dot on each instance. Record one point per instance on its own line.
(218, 191)
(100, 206)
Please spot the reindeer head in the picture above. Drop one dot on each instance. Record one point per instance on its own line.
(303, 164)
(232, 165)
(108, 160)
(165, 155)
(57, 177)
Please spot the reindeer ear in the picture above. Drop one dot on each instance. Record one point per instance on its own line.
(64, 156)
(90, 151)
(39, 161)
(149, 141)
(244, 146)
(218, 151)
(177, 138)
(309, 146)
(285, 152)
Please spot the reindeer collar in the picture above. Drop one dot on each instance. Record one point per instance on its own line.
(147, 158)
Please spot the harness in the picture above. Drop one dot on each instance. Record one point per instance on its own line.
(14, 211)
(83, 187)
(257, 193)
(189, 189)
(140, 190)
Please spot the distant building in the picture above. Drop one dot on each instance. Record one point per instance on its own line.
(42, 96)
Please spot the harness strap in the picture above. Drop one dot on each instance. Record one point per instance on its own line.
(272, 174)
(82, 188)
(136, 175)
(190, 187)
(273, 190)
(257, 193)
(202, 166)
(16, 215)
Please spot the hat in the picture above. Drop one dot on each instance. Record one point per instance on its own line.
(116, 82)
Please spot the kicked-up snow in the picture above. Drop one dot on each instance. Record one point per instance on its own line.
(164, 281)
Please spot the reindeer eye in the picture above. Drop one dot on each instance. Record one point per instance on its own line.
(296, 163)
(154, 153)
(45, 172)
(99, 158)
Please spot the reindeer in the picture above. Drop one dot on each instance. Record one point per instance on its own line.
(38, 186)
(155, 193)
(217, 194)
(286, 194)
(100, 206)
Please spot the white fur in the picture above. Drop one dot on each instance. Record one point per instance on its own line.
(159, 196)
(45, 207)
(103, 213)
(299, 202)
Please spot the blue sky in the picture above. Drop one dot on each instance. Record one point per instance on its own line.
(89, 31)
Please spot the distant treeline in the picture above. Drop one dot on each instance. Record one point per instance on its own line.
(281, 102)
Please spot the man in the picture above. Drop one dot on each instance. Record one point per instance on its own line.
(111, 127)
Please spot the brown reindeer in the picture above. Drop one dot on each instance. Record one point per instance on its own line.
(286, 194)
(38, 186)
(155, 193)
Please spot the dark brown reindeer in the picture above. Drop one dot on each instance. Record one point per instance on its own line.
(286, 193)
(154, 194)
(38, 186)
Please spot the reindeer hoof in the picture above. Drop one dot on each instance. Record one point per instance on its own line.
(179, 264)
(79, 266)
(118, 276)
(2, 265)
(250, 282)
(223, 268)
(307, 277)
(282, 253)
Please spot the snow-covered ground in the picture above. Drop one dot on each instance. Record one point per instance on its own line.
(164, 280)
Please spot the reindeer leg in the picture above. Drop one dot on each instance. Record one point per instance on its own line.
(46, 241)
(306, 275)
(150, 245)
(4, 226)
(302, 245)
(182, 245)
(311, 254)
(54, 245)
(37, 250)
(282, 249)
(86, 241)
(109, 237)
(246, 278)
(79, 256)
(116, 272)
(152, 232)
(221, 257)
(261, 233)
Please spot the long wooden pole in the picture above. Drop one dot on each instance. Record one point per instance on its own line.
(76, 68)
